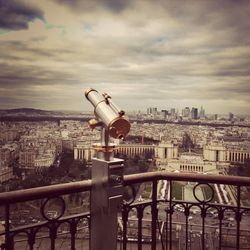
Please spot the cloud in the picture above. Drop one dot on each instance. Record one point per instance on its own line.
(84, 6)
(16, 15)
(141, 52)
(30, 76)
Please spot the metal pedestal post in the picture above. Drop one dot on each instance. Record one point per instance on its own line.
(106, 201)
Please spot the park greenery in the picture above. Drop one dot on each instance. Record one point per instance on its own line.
(67, 171)
(240, 169)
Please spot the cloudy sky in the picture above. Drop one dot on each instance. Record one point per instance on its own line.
(143, 53)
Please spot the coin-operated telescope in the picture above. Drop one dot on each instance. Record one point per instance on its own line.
(107, 172)
(111, 119)
(109, 114)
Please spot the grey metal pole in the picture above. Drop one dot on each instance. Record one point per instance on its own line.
(106, 201)
(106, 196)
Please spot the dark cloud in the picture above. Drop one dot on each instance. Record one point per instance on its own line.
(29, 51)
(233, 89)
(227, 20)
(85, 5)
(30, 75)
(16, 15)
(24, 47)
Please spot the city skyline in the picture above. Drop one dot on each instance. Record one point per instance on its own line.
(168, 110)
(142, 53)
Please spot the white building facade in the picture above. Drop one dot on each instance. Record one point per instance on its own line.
(190, 162)
(226, 153)
(161, 153)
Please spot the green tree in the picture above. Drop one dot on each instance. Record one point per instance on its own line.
(187, 142)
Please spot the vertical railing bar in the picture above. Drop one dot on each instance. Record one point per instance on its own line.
(186, 232)
(31, 247)
(53, 236)
(154, 213)
(139, 216)
(89, 225)
(7, 227)
(166, 229)
(170, 218)
(220, 234)
(73, 226)
(73, 239)
(203, 227)
(52, 244)
(31, 239)
(124, 233)
(238, 219)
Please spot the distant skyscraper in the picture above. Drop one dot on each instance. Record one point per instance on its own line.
(202, 112)
(230, 116)
(186, 112)
(172, 111)
(164, 113)
(152, 111)
(194, 113)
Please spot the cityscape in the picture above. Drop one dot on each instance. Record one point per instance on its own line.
(60, 149)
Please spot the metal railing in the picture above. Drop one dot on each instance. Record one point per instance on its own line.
(215, 216)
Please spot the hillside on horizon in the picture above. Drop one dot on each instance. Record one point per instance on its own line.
(29, 111)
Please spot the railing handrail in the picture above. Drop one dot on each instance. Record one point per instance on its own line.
(201, 178)
(85, 185)
(45, 191)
